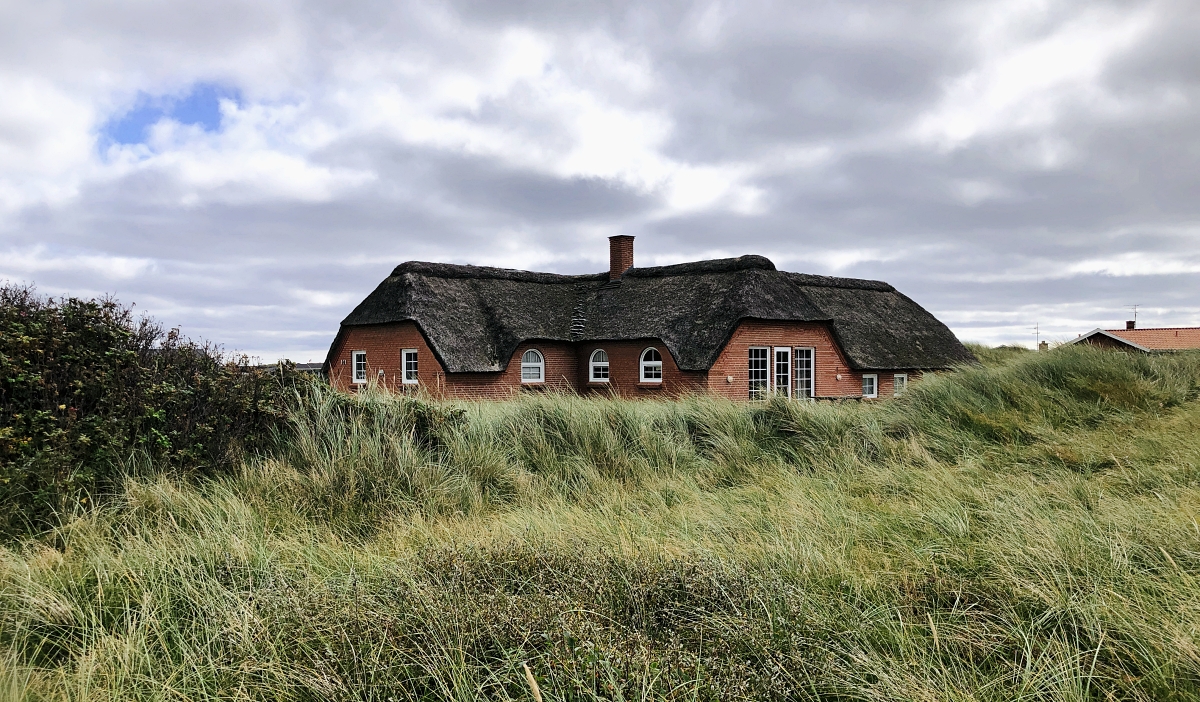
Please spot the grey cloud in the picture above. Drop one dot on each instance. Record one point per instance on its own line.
(979, 232)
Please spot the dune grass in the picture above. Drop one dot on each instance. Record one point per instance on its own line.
(1025, 529)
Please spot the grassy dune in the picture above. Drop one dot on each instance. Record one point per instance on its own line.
(1022, 530)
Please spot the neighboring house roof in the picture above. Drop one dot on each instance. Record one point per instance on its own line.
(474, 317)
(1162, 338)
(1108, 334)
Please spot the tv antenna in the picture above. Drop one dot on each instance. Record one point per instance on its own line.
(1037, 336)
(1134, 308)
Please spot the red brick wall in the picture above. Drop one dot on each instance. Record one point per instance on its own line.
(828, 360)
(887, 384)
(567, 365)
(383, 344)
(624, 368)
(560, 374)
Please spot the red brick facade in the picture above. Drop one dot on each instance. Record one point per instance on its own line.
(567, 365)
(625, 372)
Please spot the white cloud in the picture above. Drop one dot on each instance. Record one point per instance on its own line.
(1138, 263)
(324, 298)
(838, 261)
(1025, 83)
(45, 141)
(973, 192)
(25, 263)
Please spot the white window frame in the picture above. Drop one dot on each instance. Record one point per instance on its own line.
(594, 365)
(899, 384)
(764, 391)
(404, 367)
(354, 367)
(874, 385)
(786, 388)
(643, 364)
(540, 365)
(812, 372)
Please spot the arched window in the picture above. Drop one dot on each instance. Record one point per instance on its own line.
(651, 365)
(533, 366)
(598, 367)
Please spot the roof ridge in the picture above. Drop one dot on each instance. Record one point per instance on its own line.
(1152, 329)
(714, 265)
(829, 281)
(463, 270)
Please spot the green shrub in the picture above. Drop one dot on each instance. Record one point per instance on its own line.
(85, 388)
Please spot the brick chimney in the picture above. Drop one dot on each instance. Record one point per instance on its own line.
(620, 255)
(1131, 324)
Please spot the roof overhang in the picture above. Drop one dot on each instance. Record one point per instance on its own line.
(1111, 336)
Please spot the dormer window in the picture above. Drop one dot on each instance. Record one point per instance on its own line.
(651, 366)
(598, 366)
(533, 366)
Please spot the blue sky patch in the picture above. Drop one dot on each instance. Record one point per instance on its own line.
(200, 106)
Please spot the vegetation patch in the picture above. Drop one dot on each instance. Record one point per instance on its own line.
(87, 391)
(1021, 529)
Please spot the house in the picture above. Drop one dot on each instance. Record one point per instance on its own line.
(1146, 340)
(734, 327)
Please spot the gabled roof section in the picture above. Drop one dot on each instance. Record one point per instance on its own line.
(1161, 338)
(474, 317)
(1107, 334)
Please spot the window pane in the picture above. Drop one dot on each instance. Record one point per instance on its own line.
(599, 365)
(531, 366)
(651, 366)
(410, 366)
(783, 371)
(804, 373)
(758, 373)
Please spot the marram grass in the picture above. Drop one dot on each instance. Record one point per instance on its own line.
(1022, 530)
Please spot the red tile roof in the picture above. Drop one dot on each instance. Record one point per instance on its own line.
(1162, 339)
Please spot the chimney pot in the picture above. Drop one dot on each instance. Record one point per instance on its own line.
(620, 255)
(1131, 324)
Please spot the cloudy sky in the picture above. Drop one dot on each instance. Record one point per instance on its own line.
(248, 171)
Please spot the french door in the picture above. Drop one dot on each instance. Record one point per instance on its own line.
(803, 364)
(783, 371)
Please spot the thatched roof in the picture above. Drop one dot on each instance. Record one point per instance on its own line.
(474, 317)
